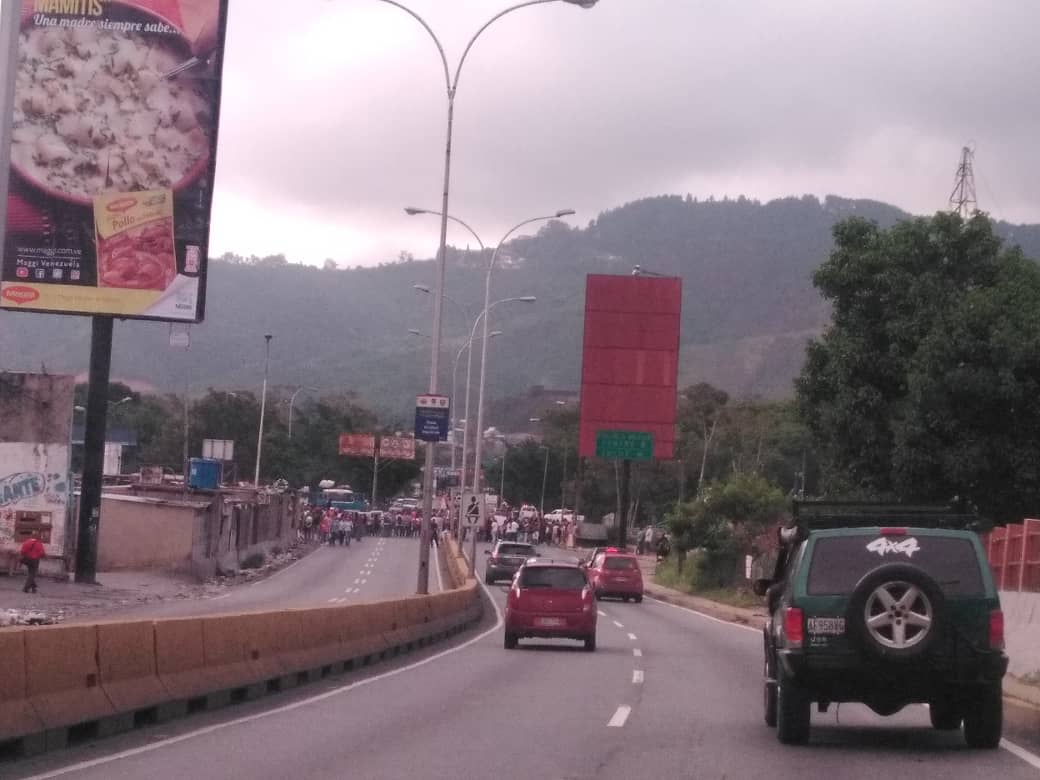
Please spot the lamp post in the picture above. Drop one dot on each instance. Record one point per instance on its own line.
(263, 407)
(451, 84)
(545, 477)
(483, 355)
(292, 400)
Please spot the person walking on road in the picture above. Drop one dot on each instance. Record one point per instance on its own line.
(32, 553)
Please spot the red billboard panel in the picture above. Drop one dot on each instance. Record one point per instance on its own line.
(630, 361)
(357, 444)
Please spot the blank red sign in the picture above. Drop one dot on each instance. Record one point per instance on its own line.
(630, 360)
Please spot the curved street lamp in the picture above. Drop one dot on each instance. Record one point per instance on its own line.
(292, 400)
(483, 360)
(451, 84)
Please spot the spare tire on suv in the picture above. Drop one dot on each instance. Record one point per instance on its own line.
(896, 612)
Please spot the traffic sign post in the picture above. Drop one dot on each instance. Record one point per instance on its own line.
(624, 445)
(432, 417)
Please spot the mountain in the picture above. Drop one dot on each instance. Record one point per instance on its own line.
(748, 307)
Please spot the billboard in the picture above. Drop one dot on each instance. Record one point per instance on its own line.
(357, 444)
(108, 155)
(630, 361)
(397, 447)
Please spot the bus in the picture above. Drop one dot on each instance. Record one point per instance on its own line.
(339, 497)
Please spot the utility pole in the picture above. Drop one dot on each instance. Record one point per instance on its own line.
(962, 199)
(263, 408)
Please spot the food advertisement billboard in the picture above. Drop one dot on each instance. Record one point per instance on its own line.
(109, 132)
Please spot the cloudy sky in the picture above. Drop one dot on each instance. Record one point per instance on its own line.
(333, 115)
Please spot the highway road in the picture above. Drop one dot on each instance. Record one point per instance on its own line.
(669, 693)
(373, 569)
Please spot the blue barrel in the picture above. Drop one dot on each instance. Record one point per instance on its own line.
(204, 473)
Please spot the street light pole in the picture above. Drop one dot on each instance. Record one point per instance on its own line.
(423, 579)
(483, 358)
(263, 408)
(545, 477)
(292, 400)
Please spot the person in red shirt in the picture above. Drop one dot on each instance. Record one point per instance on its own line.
(32, 551)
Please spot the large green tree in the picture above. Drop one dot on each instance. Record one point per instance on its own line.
(924, 385)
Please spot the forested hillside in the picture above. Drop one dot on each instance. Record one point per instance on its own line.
(748, 307)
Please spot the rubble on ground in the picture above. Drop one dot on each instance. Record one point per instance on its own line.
(26, 617)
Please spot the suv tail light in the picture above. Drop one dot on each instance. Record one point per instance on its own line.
(996, 630)
(794, 626)
(513, 600)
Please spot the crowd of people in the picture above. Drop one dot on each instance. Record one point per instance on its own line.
(328, 525)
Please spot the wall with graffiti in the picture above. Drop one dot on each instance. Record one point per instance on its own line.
(35, 488)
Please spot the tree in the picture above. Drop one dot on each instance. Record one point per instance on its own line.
(723, 521)
(330, 265)
(926, 356)
(700, 409)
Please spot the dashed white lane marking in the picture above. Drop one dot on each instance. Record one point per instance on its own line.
(333, 600)
(619, 625)
(363, 581)
(619, 718)
(633, 637)
(637, 676)
(601, 613)
(357, 580)
(706, 617)
(637, 652)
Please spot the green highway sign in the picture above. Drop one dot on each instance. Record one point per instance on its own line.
(625, 445)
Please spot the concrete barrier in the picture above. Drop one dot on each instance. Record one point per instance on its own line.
(126, 663)
(62, 678)
(57, 682)
(180, 658)
(17, 715)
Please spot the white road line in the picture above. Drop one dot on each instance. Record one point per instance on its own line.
(637, 652)
(633, 637)
(278, 710)
(357, 580)
(1016, 750)
(707, 617)
(619, 625)
(332, 600)
(601, 613)
(620, 717)
(363, 581)
(637, 676)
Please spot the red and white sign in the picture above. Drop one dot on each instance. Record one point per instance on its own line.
(357, 444)
(432, 401)
(397, 448)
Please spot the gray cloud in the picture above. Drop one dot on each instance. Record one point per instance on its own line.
(333, 115)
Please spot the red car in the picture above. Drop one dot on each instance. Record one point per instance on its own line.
(550, 600)
(616, 574)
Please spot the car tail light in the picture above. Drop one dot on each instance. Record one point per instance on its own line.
(893, 532)
(794, 626)
(996, 630)
(513, 600)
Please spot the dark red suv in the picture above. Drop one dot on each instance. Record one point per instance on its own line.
(616, 574)
(552, 600)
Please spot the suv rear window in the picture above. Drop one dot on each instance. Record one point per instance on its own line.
(839, 562)
(617, 562)
(558, 577)
(525, 550)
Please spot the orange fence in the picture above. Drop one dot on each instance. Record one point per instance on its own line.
(1014, 555)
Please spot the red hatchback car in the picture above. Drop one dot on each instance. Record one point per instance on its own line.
(616, 574)
(551, 600)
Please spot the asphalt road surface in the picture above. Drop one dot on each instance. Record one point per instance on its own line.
(373, 569)
(669, 693)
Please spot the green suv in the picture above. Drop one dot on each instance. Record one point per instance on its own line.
(888, 606)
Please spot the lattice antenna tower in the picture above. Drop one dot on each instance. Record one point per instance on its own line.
(962, 199)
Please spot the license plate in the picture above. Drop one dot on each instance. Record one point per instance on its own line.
(549, 622)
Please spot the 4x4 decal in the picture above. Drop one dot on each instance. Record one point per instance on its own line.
(883, 547)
